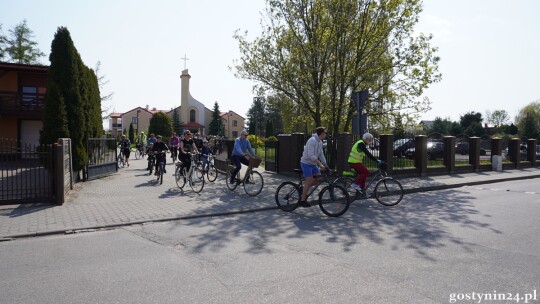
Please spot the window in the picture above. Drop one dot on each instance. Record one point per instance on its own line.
(192, 115)
(234, 134)
(235, 123)
(135, 120)
(29, 96)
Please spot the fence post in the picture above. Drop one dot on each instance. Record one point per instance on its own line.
(514, 152)
(449, 153)
(531, 151)
(420, 154)
(474, 152)
(386, 151)
(344, 145)
(496, 147)
(58, 155)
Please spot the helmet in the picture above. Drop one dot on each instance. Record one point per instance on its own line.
(367, 136)
(159, 136)
(244, 132)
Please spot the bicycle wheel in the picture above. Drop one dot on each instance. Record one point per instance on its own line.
(180, 177)
(254, 183)
(346, 183)
(138, 154)
(121, 162)
(196, 180)
(287, 196)
(228, 180)
(334, 200)
(388, 191)
(161, 171)
(212, 174)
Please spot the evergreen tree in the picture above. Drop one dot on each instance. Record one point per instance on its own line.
(55, 123)
(160, 124)
(257, 116)
(65, 73)
(177, 125)
(216, 125)
(3, 41)
(468, 118)
(131, 133)
(20, 46)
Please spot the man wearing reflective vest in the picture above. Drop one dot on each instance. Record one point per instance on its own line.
(358, 151)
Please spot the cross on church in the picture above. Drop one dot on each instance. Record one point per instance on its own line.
(185, 58)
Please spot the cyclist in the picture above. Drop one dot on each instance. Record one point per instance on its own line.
(358, 151)
(187, 145)
(159, 147)
(150, 141)
(312, 159)
(174, 142)
(205, 151)
(239, 154)
(141, 142)
(125, 148)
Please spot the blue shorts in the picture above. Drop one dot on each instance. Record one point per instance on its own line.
(309, 170)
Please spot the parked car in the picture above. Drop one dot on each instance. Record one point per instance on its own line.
(522, 152)
(463, 148)
(435, 149)
(402, 145)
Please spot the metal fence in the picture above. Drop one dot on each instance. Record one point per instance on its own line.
(27, 172)
(101, 157)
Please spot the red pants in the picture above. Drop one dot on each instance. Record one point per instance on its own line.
(363, 173)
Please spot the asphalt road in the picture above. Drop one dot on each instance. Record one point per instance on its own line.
(430, 248)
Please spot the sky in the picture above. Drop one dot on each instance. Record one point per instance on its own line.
(489, 49)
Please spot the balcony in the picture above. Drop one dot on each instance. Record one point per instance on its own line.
(19, 104)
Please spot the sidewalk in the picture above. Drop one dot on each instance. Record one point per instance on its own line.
(134, 197)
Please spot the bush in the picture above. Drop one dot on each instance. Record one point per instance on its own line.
(272, 138)
(255, 141)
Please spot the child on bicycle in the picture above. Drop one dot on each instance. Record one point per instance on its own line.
(205, 151)
(174, 143)
(358, 151)
(312, 158)
(125, 147)
(159, 147)
(239, 157)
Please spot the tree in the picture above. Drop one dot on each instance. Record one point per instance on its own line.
(531, 126)
(3, 41)
(160, 124)
(497, 118)
(55, 124)
(256, 116)
(20, 47)
(528, 119)
(101, 83)
(273, 117)
(442, 126)
(468, 118)
(131, 133)
(474, 129)
(177, 125)
(316, 53)
(216, 125)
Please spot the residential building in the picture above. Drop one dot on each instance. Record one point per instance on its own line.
(22, 101)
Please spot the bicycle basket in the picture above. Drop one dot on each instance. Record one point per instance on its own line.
(254, 162)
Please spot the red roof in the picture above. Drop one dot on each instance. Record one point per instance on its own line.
(193, 125)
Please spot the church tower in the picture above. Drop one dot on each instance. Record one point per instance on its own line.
(184, 97)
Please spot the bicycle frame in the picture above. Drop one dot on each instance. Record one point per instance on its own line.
(323, 179)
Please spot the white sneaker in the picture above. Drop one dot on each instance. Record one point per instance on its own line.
(356, 187)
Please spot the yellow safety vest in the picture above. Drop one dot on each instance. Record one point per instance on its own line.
(355, 156)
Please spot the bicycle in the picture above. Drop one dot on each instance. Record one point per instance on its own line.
(195, 176)
(209, 168)
(333, 198)
(253, 181)
(139, 151)
(121, 160)
(161, 167)
(388, 191)
(174, 153)
(151, 161)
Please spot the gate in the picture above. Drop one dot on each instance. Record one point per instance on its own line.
(102, 157)
(27, 173)
(271, 156)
